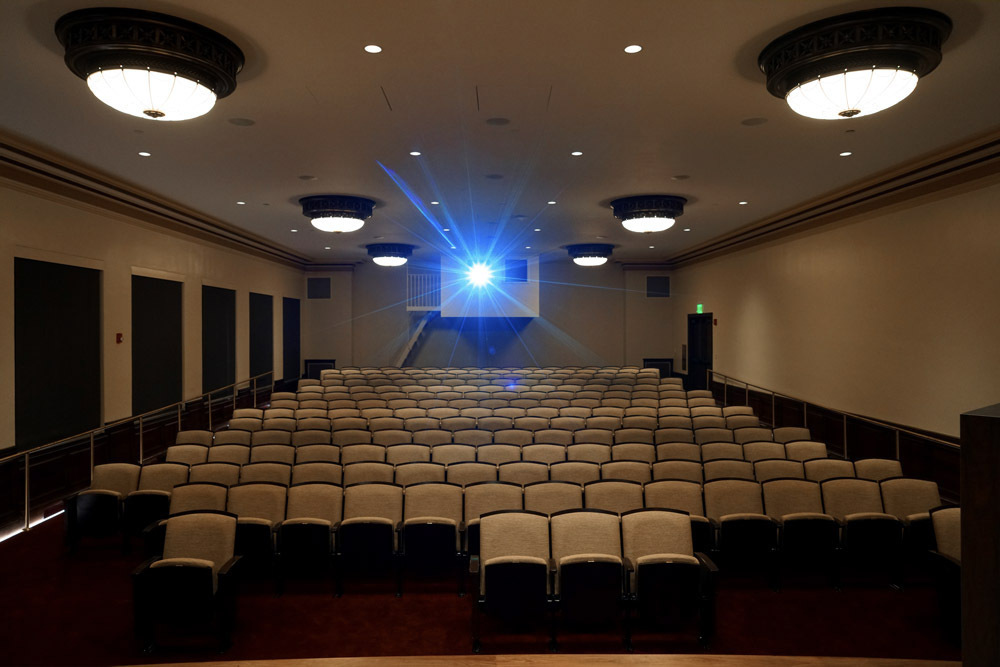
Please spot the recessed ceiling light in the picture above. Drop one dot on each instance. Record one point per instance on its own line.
(453, 247)
(373, 48)
(537, 229)
(241, 203)
(551, 203)
(242, 122)
(846, 153)
(435, 203)
(633, 48)
(326, 247)
(144, 153)
(744, 203)
(651, 247)
(446, 229)
(295, 230)
(576, 153)
(527, 247)
(414, 153)
(687, 229)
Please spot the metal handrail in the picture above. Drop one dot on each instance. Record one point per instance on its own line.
(747, 385)
(26, 454)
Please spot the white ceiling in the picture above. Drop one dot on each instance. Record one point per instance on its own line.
(688, 115)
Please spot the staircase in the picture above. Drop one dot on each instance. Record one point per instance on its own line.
(403, 359)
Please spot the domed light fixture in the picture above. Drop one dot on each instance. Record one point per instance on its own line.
(590, 254)
(648, 213)
(390, 254)
(855, 64)
(337, 213)
(147, 64)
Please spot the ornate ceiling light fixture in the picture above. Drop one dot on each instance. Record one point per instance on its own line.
(648, 213)
(147, 64)
(337, 213)
(390, 254)
(855, 64)
(590, 254)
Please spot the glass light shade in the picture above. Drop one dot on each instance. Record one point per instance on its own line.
(337, 224)
(151, 95)
(590, 261)
(647, 225)
(851, 94)
(389, 261)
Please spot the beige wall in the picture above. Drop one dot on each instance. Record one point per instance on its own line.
(648, 321)
(327, 323)
(893, 314)
(42, 226)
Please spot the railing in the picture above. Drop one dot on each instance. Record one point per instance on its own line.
(846, 434)
(404, 354)
(423, 291)
(65, 466)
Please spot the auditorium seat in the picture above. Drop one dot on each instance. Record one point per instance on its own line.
(432, 437)
(367, 471)
(361, 452)
(418, 472)
(820, 470)
(870, 538)
(275, 453)
(760, 451)
(786, 434)
(808, 536)
(226, 474)
(465, 473)
(805, 450)
(747, 434)
(613, 495)
(683, 496)
(496, 454)
(305, 539)
(98, 509)
(713, 451)
(548, 454)
(277, 473)
(431, 534)
(877, 469)
(778, 469)
(482, 498)
(745, 536)
(367, 537)
(187, 454)
(684, 470)
(151, 500)
(578, 472)
(317, 471)
(203, 438)
(522, 472)
(910, 501)
(634, 471)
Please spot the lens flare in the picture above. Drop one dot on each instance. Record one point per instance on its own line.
(479, 274)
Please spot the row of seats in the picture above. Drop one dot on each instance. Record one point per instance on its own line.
(460, 400)
(406, 408)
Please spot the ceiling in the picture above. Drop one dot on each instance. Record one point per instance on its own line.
(689, 115)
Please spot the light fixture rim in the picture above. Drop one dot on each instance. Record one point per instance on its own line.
(589, 249)
(816, 49)
(648, 206)
(404, 250)
(210, 58)
(341, 206)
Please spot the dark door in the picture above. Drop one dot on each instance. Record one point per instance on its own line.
(290, 338)
(699, 350)
(157, 343)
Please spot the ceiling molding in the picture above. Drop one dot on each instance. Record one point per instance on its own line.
(957, 166)
(313, 268)
(39, 170)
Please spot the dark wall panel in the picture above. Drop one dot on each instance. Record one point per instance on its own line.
(157, 347)
(57, 351)
(218, 337)
(290, 338)
(261, 333)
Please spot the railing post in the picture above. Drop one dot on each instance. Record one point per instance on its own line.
(845, 435)
(254, 391)
(180, 424)
(897, 443)
(208, 399)
(725, 393)
(805, 414)
(774, 416)
(27, 490)
(141, 443)
(235, 393)
(91, 458)
(748, 392)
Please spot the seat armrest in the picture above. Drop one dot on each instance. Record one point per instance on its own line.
(706, 562)
(228, 567)
(142, 567)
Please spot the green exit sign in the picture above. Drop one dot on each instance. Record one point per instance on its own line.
(701, 309)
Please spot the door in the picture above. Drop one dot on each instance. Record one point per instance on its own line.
(699, 350)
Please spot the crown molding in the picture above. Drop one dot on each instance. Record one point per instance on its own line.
(957, 166)
(41, 171)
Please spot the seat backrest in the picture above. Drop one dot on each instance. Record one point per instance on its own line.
(613, 495)
(791, 433)
(315, 500)
(258, 500)
(634, 471)
(357, 453)
(712, 451)
(187, 454)
(551, 497)
(367, 471)
(514, 533)
(544, 453)
(238, 454)
(791, 496)
(585, 531)
(271, 437)
(226, 474)
(318, 471)
(433, 500)
(278, 423)
(678, 451)
(317, 453)
(448, 454)
(554, 436)
(245, 424)
(491, 496)
(733, 410)
(421, 423)
(727, 468)
(279, 453)
(737, 422)
(732, 496)
(700, 421)
(904, 497)
(598, 436)
(778, 469)
(396, 454)
(633, 435)
(522, 472)
(531, 423)
(311, 437)
(193, 496)
(470, 472)
(673, 434)
(947, 524)
(162, 476)
(122, 478)
(805, 450)
(877, 469)
(311, 423)
(686, 470)
(543, 412)
(194, 438)
(589, 452)
(513, 436)
(231, 437)
(745, 434)
(419, 472)
(650, 532)
(823, 469)
(497, 454)
(207, 536)
(374, 499)
(675, 495)
(473, 436)
(759, 451)
(432, 437)
(606, 422)
(703, 435)
(845, 496)
(578, 472)
(569, 422)
(458, 423)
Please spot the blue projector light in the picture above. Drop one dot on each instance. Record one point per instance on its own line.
(479, 274)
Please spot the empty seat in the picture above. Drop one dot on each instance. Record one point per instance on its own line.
(635, 471)
(271, 437)
(594, 436)
(531, 423)
(674, 421)
(822, 469)
(613, 495)
(728, 469)
(98, 510)
(458, 423)
(733, 410)
(778, 469)
(419, 472)
(522, 472)
(367, 471)
(910, 501)
(311, 437)
(397, 454)
(312, 423)
(448, 454)
(482, 498)
(233, 438)
(306, 536)
(317, 454)
(238, 454)
(513, 436)
(276, 453)
(260, 508)
(318, 471)
(203, 438)
(356, 453)
(877, 469)
(805, 450)
(187, 454)
(578, 472)
(367, 536)
(473, 437)
(678, 451)
(151, 500)
(662, 435)
(712, 451)
(747, 434)
(432, 437)
(708, 421)
(705, 435)
(868, 534)
(468, 472)
(544, 453)
(277, 424)
(737, 422)
(496, 454)
(432, 527)
(683, 470)
(607, 422)
(759, 451)
(808, 536)
(245, 424)
(551, 497)
(745, 535)
(554, 436)
(684, 496)
(787, 434)
(226, 474)
(414, 424)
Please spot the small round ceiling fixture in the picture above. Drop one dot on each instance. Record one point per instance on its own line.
(854, 64)
(337, 213)
(147, 64)
(648, 213)
(390, 254)
(590, 254)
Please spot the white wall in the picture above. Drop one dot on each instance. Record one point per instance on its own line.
(43, 226)
(894, 314)
(327, 323)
